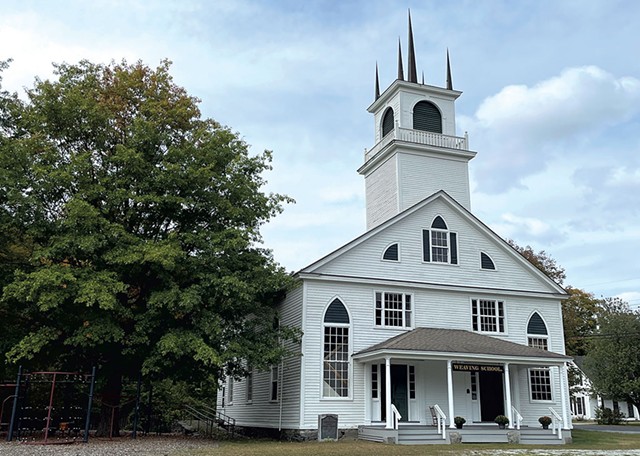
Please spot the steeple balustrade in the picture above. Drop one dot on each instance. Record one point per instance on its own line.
(419, 137)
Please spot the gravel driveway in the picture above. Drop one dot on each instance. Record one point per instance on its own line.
(145, 446)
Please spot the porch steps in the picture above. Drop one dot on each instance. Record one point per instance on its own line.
(537, 436)
(419, 435)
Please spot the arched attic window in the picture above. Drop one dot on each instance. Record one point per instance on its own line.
(427, 117)
(391, 253)
(335, 366)
(387, 122)
(486, 262)
(439, 245)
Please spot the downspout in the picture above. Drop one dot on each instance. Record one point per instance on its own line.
(281, 375)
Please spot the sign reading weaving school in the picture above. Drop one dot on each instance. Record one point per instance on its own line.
(464, 367)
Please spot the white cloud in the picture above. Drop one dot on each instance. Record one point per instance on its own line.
(521, 128)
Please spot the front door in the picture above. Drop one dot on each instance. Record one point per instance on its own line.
(399, 390)
(491, 395)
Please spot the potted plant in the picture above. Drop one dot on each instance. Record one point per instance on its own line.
(459, 421)
(545, 421)
(502, 421)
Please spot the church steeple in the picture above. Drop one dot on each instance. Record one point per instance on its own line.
(377, 83)
(413, 74)
(400, 69)
(449, 79)
(416, 150)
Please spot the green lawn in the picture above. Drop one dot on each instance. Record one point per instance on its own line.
(592, 440)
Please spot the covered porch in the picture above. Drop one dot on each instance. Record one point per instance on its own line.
(418, 382)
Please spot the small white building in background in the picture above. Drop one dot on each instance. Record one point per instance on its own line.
(584, 402)
(429, 311)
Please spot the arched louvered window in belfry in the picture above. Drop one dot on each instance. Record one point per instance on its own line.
(387, 122)
(335, 342)
(427, 117)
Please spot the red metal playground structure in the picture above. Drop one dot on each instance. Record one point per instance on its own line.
(48, 407)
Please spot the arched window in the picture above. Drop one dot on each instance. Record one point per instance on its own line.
(427, 117)
(335, 364)
(439, 245)
(486, 262)
(539, 378)
(387, 122)
(391, 253)
(537, 332)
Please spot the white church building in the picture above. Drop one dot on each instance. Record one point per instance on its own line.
(427, 316)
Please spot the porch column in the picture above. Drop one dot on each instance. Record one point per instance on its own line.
(507, 387)
(563, 396)
(387, 388)
(450, 393)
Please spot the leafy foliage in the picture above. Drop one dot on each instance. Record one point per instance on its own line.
(541, 260)
(613, 360)
(130, 230)
(608, 416)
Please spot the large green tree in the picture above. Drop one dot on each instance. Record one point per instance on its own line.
(613, 360)
(140, 220)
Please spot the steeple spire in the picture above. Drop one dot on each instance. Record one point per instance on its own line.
(413, 75)
(377, 83)
(400, 69)
(449, 79)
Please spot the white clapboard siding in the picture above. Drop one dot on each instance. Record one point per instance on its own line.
(432, 308)
(363, 257)
(382, 193)
(421, 176)
(261, 411)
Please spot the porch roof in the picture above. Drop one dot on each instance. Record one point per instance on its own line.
(458, 344)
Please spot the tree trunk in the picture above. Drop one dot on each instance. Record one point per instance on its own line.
(109, 424)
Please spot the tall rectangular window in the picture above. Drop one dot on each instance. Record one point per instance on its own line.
(540, 379)
(439, 246)
(412, 382)
(393, 310)
(488, 315)
(540, 384)
(336, 362)
(374, 381)
(249, 382)
(230, 391)
(275, 394)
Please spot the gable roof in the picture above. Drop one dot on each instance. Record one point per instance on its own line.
(463, 343)
(457, 207)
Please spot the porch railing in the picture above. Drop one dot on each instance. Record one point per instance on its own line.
(517, 417)
(442, 418)
(396, 416)
(556, 424)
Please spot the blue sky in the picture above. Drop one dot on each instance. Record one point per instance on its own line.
(551, 103)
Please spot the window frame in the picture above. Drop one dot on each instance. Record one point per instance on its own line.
(536, 372)
(500, 320)
(349, 344)
(274, 380)
(230, 384)
(452, 245)
(384, 252)
(249, 386)
(404, 312)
